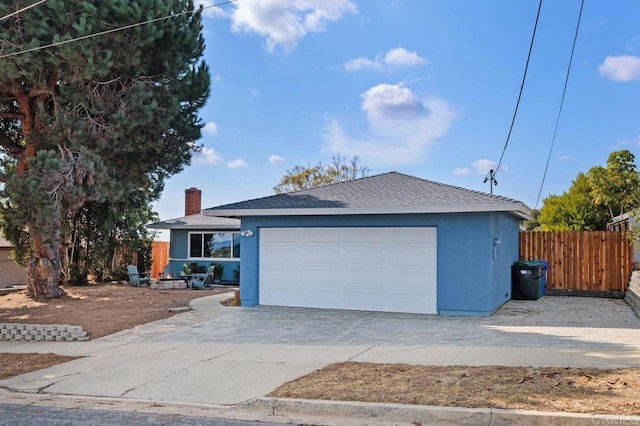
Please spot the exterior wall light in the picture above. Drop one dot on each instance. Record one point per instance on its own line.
(246, 233)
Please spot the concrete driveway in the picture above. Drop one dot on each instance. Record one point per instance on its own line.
(224, 356)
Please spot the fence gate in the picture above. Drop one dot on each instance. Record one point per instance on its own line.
(581, 261)
(159, 257)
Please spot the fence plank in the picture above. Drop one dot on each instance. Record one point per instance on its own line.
(582, 260)
(159, 257)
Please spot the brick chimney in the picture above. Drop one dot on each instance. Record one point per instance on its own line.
(192, 201)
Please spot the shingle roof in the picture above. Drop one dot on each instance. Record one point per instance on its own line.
(385, 193)
(197, 221)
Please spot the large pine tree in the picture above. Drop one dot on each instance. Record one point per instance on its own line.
(91, 120)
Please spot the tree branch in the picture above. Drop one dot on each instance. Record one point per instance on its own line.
(34, 93)
(10, 146)
(11, 115)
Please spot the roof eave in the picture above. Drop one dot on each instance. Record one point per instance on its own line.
(190, 227)
(517, 209)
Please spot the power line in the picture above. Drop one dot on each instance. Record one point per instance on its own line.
(564, 91)
(524, 77)
(113, 30)
(22, 10)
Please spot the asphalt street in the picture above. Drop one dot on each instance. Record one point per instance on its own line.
(32, 415)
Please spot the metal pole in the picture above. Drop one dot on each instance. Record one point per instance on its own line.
(492, 180)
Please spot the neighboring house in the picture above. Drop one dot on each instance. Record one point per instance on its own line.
(389, 242)
(10, 272)
(201, 239)
(625, 222)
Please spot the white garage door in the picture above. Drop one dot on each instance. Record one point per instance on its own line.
(373, 269)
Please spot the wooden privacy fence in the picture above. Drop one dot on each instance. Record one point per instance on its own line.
(159, 257)
(581, 261)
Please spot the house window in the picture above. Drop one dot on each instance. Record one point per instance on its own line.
(214, 245)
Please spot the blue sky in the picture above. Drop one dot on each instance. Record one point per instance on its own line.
(423, 87)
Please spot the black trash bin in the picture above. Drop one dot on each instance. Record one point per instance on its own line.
(526, 280)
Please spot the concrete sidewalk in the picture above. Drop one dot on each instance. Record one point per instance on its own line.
(221, 357)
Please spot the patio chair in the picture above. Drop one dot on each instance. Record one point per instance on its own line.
(166, 272)
(197, 282)
(202, 281)
(209, 278)
(135, 278)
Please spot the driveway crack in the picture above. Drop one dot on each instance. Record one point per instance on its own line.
(361, 353)
(160, 377)
(135, 387)
(38, 389)
(225, 353)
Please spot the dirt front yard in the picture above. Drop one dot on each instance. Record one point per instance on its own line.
(100, 309)
(577, 390)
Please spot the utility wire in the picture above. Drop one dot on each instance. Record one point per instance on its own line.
(524, 77)
(22, 10)
(113, 30)
(564, 91)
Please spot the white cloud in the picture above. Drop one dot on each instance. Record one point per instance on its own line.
(462, 171)
(285, 22)
(483, 166)
(480, 167)
(400, 57)
(210, 128)
(628, 142)
(390, 101)
(238, 162)
(394, 58)
(255, 93)
(621, 68)
(362, 63)
(276, 160)
(207, 156)
(401, 127)
(565, 158)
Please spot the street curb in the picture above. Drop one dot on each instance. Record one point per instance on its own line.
(430, 415)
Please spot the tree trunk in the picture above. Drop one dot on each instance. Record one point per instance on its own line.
(44, 271)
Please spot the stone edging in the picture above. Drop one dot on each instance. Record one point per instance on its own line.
(39, 332)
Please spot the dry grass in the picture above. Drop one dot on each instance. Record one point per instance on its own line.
(611, 391)
(15, 364)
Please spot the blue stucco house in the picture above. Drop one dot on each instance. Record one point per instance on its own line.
(202, 239)
(389, 242)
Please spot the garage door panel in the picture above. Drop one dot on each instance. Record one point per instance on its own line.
(281, 235)
(320, 299)
(410, 255)
(364, 300)
(320, 255)
(364, 277)
(278, 296)
(316, 275)
(364, 235)
(278, 271)
(419, 236)
(361, 256)
(279, 254)
(381, 269)
(320, 235)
